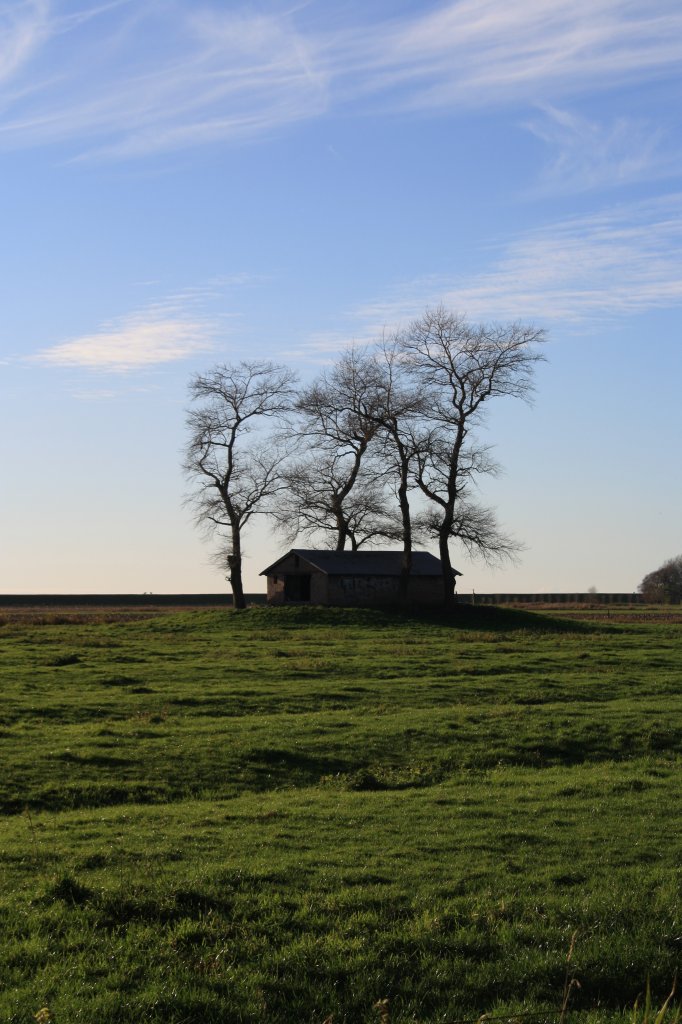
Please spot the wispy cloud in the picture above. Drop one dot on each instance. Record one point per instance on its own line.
(124, 80)
(475, 52)
(619, 262)
(587, 154)
(108, 394)
(95, 394)
(161, 333)
(156, 78)
(23, 27)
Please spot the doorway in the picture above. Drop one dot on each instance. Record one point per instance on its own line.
(297, 588)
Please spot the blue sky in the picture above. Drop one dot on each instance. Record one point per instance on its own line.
(191, 182)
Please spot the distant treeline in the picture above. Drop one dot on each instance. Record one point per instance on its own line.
(225, 600)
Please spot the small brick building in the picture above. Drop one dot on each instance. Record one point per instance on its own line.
(343, 578)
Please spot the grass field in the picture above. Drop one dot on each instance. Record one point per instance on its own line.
(282, 815)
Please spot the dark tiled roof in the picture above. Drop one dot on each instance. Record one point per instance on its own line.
(363, 563)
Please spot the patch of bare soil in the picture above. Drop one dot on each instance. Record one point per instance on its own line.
(78, 615)
(608, 613)
(615, 616)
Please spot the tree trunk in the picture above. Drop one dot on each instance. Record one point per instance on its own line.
(234, 561)
(406, 566)
(341, 530)
(444, 551)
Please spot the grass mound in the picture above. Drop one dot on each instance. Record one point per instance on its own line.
(462, 617)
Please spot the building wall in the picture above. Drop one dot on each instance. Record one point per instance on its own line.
(276, 582)
(319, 588)
(381, 590)
(291, 564)
(347, 591)
(426, 590)
(275, 589)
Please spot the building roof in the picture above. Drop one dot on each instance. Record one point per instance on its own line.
(363, 563)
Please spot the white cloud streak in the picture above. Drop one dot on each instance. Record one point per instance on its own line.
(162, 77)
(159, 334)
(587, 154)
(23, 27)
(165, 78)
(477, 52)
(620, 262)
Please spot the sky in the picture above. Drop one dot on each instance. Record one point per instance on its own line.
(187, 182)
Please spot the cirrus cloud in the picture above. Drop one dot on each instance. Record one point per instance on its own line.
(121, 80)
(23, 28)
(134, 342)
(617, 262)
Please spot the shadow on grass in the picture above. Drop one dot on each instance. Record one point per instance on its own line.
(488, 618)
(112, 910)
(272, 765)
(492, 618)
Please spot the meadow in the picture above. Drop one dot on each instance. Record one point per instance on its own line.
(293, 814)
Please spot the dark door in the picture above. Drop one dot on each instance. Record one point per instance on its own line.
(297, 588)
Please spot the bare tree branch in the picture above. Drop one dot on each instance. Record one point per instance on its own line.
(234, 477)
(329, 491)
(316, 501)
(459, 366)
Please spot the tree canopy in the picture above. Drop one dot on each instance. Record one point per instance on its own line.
(664, 585)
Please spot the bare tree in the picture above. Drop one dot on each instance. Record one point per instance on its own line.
(328, 489)
(398, 403)
(234, 473)
(317, 501)
(459, 366)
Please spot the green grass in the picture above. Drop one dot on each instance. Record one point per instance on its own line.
(279, 815)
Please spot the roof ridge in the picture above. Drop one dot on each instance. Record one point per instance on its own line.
(378, 562)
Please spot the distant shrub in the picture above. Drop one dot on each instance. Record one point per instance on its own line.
(664, 585)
